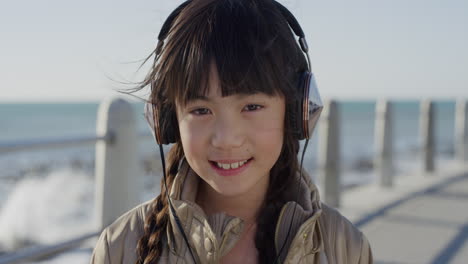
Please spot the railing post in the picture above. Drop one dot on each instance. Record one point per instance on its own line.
(383, 163)
(427, 135)
(116, 161)
(461, 130)
(329, 154)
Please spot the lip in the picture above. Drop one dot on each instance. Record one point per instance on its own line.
(230, 172)
(229, 160)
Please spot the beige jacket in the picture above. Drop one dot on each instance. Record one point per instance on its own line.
(319, 234)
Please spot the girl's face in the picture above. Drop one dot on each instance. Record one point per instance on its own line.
(232, 142)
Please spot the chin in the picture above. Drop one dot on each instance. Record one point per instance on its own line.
(227, 189)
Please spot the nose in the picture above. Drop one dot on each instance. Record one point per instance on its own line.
(228, 133)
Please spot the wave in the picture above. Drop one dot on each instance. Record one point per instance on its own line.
(44, 210)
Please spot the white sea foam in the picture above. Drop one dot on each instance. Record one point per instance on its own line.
(47, 210)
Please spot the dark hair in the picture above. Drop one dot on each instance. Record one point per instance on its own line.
(254, 50)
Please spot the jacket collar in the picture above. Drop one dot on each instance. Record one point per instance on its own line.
(212, 237)
(297, 225)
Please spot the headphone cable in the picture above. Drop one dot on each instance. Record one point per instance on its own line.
(174, 214)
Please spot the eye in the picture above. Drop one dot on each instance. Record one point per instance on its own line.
(200, 111)
(252, 107)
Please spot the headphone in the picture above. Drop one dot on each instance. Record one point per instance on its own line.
(306, 109)
(303, 118)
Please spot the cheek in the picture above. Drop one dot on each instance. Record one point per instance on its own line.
(268, 138)
(270, 141)
(193, 139)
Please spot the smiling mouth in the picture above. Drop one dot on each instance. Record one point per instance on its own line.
(230, 166)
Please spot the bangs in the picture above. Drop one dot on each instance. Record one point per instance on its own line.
(249, 43)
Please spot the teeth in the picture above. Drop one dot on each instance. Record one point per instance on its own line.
(227, 166)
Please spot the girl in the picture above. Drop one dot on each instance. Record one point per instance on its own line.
(224, 90)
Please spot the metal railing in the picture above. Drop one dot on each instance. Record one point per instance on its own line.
(116, 161)
(48, 143)
(43, 252)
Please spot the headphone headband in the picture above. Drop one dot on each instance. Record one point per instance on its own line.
(292, 22)
(170, 20)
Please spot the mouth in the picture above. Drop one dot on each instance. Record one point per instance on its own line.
(226, 165)
(230, 167)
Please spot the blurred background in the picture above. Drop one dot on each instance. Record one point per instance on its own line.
(60, 59)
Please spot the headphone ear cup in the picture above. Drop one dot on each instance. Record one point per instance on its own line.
(311, 105)
(168, 125)
(307, 107)
(162, 122)
(295, 115)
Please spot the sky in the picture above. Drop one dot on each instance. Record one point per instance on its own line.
(68, 51)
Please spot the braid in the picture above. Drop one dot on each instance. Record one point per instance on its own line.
(150, 245)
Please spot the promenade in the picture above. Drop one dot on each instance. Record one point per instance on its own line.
(422, 219)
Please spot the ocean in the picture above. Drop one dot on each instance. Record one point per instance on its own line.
(47, 196)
